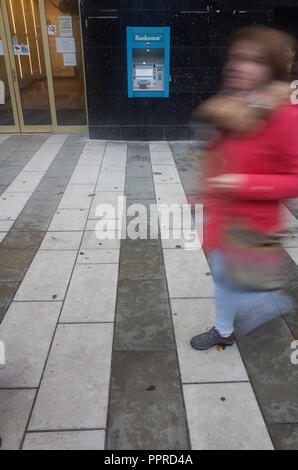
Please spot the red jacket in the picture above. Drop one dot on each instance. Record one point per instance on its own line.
(268, 159)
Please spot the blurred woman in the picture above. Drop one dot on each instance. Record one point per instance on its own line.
(251, 164)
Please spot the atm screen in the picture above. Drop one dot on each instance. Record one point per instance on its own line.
(144, 72)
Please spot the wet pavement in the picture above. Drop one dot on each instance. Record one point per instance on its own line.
(96, 332)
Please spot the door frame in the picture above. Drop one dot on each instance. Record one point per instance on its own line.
(10, 72)
(14, 83)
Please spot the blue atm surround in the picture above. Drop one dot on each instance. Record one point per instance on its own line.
(148, 62)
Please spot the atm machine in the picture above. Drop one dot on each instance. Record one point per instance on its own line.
(148, 62)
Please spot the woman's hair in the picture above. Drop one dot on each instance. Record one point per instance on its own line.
(273, 42)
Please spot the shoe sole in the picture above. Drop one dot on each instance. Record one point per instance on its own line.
(213, 345)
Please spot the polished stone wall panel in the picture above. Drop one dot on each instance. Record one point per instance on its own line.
(199, 31)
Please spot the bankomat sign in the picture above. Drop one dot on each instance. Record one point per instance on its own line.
(148, 37)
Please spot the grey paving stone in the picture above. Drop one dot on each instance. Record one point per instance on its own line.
(14, 141)
(9, 173)
(15, 408)
(71, 440)
(19, 157)
(141, 259)
(5, 154)
(284, 436)
(15, 240)
(291, 289)
(62, 168)
(146, 409)
(143, 317)
(37, 215)
(138, 151)
(139, 169)
(7, 292)
(50, 188)
(143, 214)
(266, 352)
(14, 263)
(142, 188)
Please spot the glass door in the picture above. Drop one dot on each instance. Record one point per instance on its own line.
(26, 49)
(67, 65)
(41, 66)
(9, 121)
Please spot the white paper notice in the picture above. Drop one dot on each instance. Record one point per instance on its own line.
(69, 60)
(65, 26)
(1, 47)
(65, 45)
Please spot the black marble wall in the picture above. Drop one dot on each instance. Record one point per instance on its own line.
(199, 29)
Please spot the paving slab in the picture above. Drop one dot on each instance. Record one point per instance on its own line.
(9, 173)
(285, 436)
(143, 317)
(5, 225)
(84, 174)
(14, 263)
(139, 169)
(7, 292)
(111, 181)
(25, 181)
(88, 299)
(11, 204)
(91, 158)
(141, 259)
(113, 198)
(162, 158)
(146, 409)
(48, 276)
(69, 219)
(91, 241)
(141, 188)
(27, 331)
(37, 215)
(266, 352)
(160, 146)
(77, 196)
(63, 440)
(192, 317)
(15, 408)
(22, 240)
(165, 175)
(188, 273)
(98, 256)
(62, 240)
(225, 416)
(74, 390)
(51, 188)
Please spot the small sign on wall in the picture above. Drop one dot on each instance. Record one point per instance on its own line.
(52, 30)
(65, 26)
(65, 45)
(21, 49)
(69, 60)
